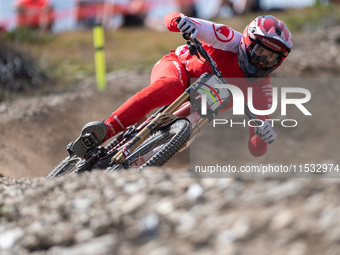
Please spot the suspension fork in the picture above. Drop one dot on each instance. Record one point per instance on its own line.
(186, 110)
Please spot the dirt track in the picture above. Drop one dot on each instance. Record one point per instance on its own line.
(158, 211)
(35, 130)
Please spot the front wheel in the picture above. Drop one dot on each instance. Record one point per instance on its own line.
(67, 166)
(160, 146)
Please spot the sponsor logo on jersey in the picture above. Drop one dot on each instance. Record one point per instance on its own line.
(223, 33)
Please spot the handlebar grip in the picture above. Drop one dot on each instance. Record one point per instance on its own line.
(184, 35)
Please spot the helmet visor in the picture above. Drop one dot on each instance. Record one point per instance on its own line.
(263, 58)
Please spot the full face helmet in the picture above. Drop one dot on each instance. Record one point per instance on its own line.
(265, 44)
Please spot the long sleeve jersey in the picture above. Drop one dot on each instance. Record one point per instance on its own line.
(222, 44)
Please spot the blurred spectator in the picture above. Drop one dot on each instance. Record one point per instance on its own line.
(187, 7)
(36, 14)
(241, 6)
(89, 12)
(134, 13)
(130, 12)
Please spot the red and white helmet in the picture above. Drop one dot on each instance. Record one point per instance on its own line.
(265, 44)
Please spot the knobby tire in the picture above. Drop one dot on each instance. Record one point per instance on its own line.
(68, 165)
(172, 138)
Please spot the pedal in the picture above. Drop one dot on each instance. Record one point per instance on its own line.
(89, 141)
(90, 137)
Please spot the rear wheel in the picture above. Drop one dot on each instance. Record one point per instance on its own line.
(160, 146)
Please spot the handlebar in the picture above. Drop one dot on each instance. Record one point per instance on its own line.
(196, 46)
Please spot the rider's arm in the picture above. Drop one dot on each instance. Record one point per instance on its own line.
(216, 35)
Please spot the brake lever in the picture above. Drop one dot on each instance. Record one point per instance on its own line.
(193, 49)
(186, 36)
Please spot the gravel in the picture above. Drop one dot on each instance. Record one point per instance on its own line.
(163, 211)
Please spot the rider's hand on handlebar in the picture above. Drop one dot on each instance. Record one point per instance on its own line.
(187, 26)
(266, 132)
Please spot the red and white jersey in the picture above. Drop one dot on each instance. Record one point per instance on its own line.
(221, 42)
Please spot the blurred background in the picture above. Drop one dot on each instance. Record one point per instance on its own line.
(69, 12)
(47, 71)
(51, 40)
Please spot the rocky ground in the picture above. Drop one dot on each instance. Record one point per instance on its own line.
(163, 211)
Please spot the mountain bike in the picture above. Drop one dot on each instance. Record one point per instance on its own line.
(163, 134)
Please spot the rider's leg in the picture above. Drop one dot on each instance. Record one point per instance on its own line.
(168, 81)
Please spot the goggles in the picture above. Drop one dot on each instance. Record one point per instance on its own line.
(263, 58)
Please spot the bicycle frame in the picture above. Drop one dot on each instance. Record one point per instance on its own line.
(168, 114)
(185, 110)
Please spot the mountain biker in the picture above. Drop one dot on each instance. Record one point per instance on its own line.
(252, 56)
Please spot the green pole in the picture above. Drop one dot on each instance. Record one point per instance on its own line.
(98, 38)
